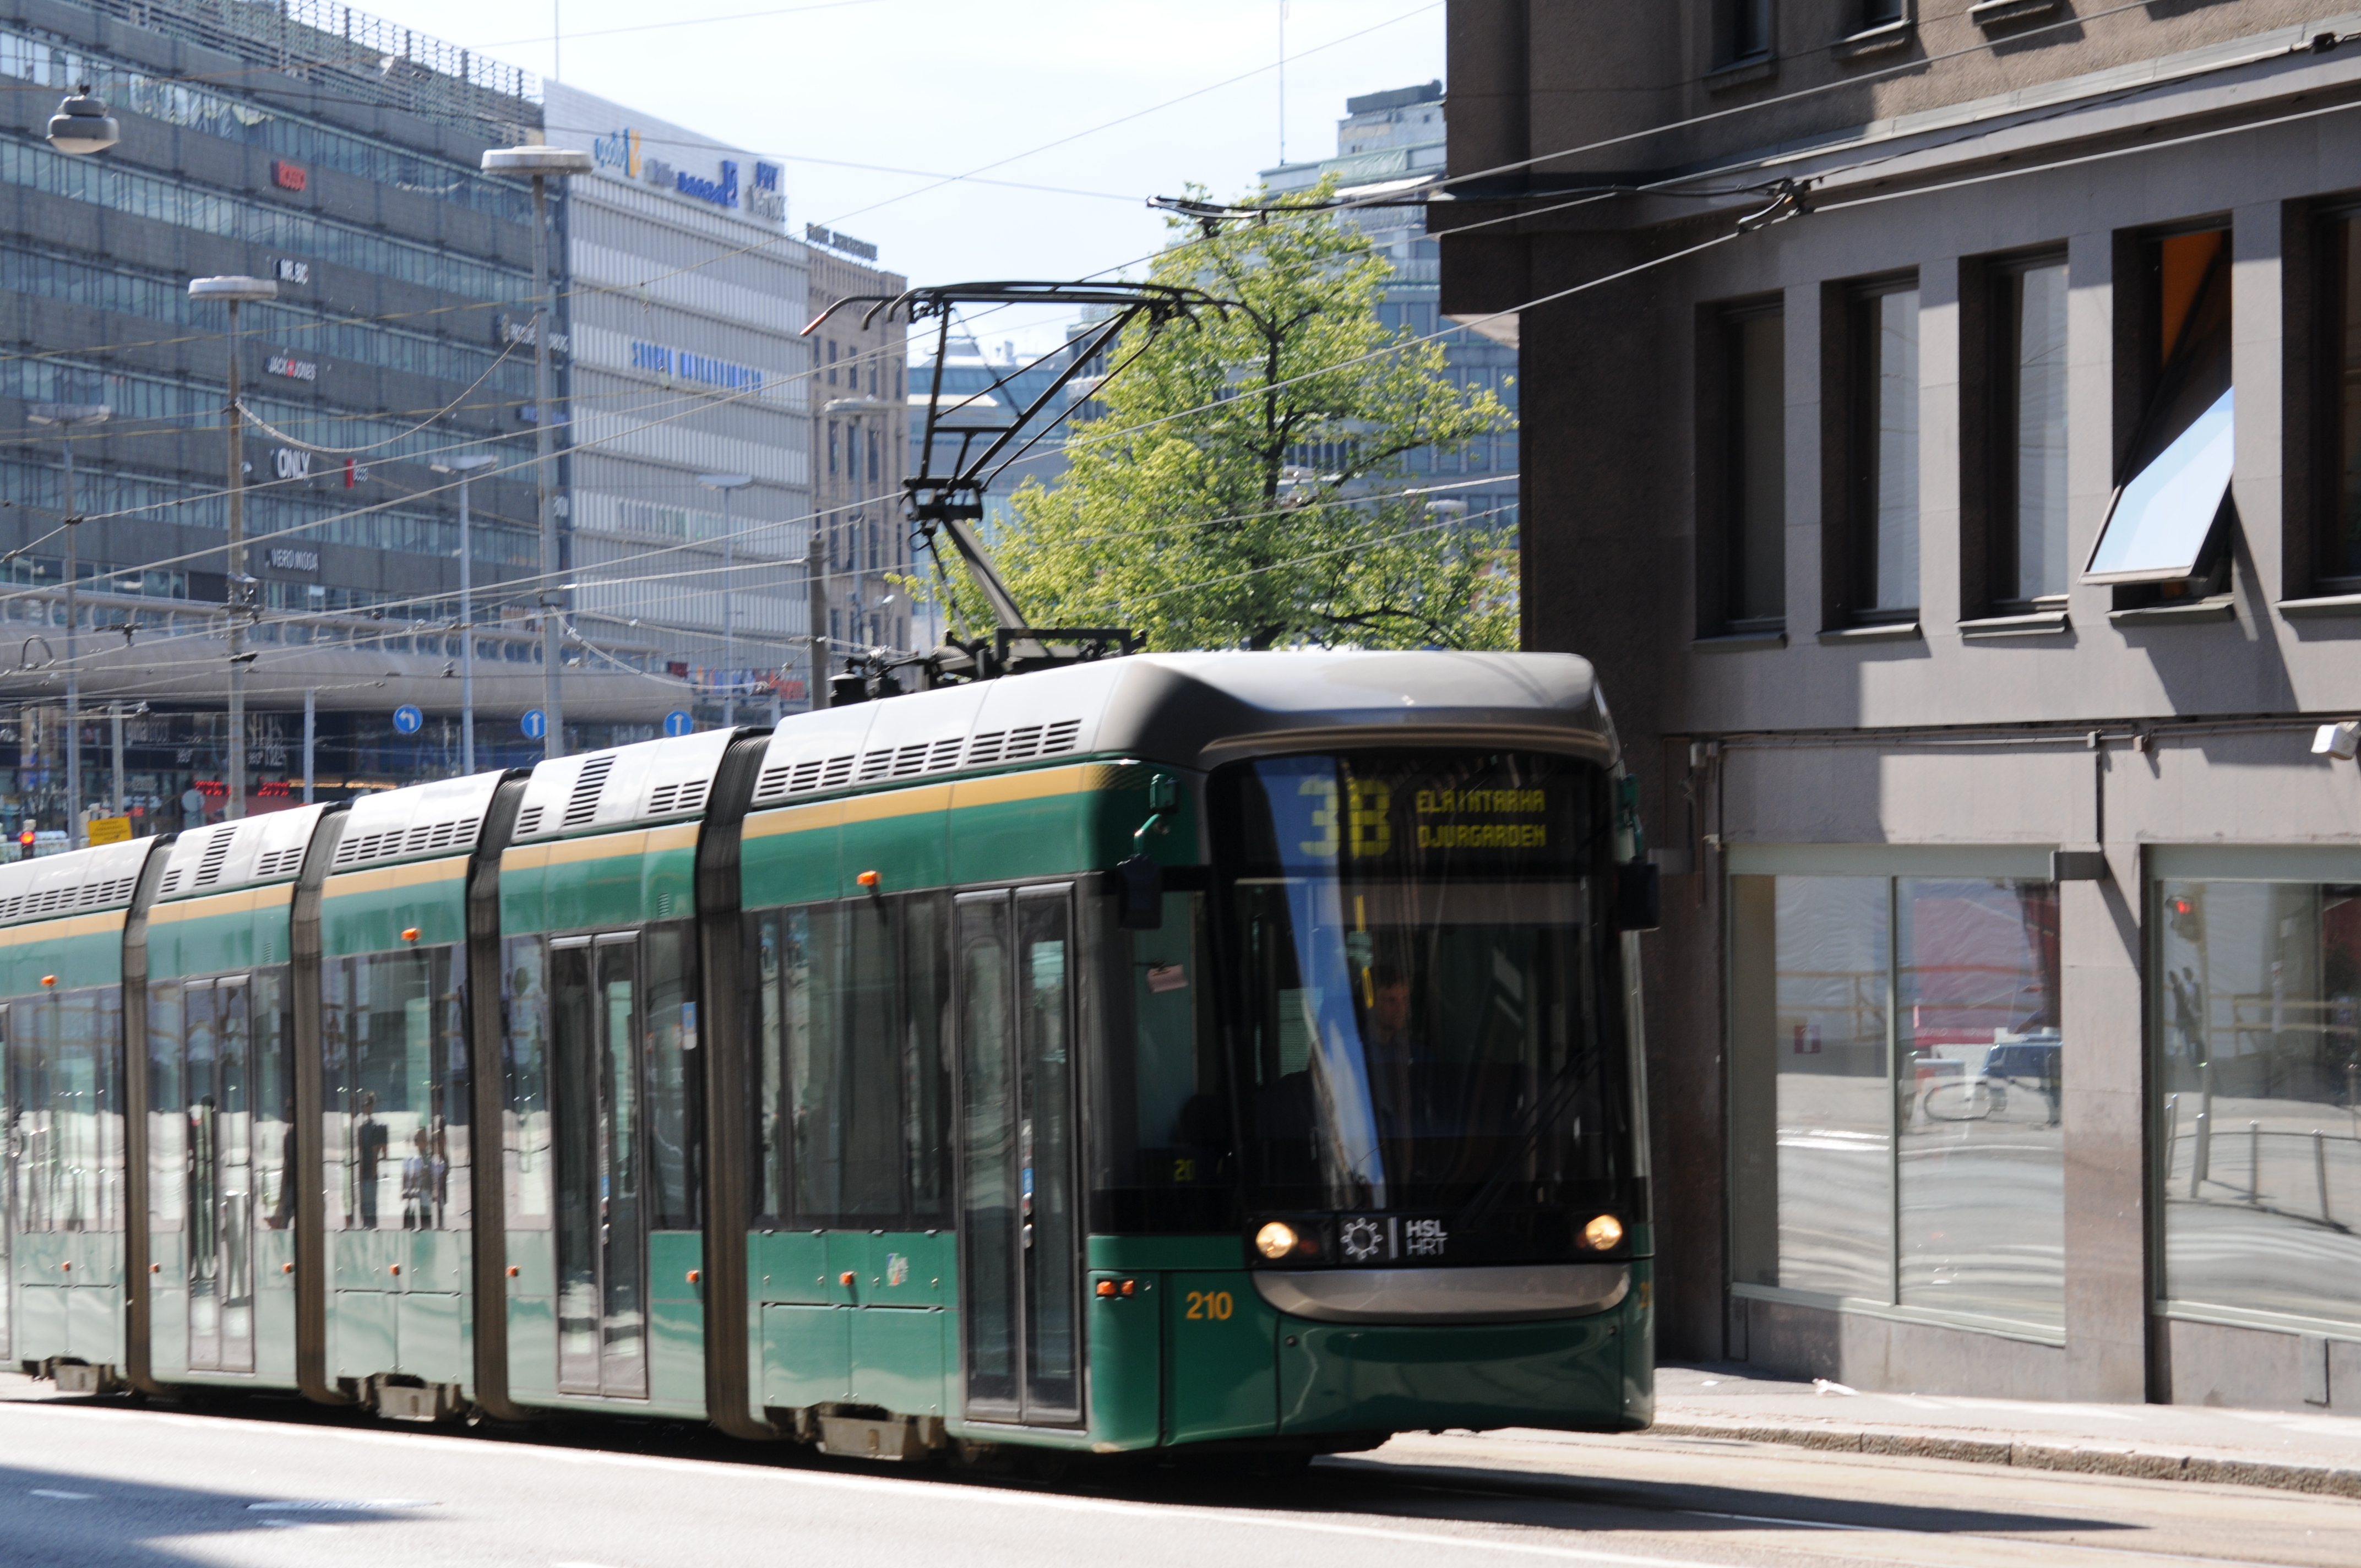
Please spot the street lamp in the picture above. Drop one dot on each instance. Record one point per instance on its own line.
(463, 467)
(726, 483)
(235, 291)
(71, 417)
(541, 163)
(82, 125)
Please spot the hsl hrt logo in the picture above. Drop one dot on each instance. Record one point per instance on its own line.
(620, 151)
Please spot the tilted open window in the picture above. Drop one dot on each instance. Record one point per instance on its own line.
(2172, 513)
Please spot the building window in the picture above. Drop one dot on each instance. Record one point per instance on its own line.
(2338, 567)
(1895, 1064)
(1884, 13)
(1876, 455)
(831, 362)
(1748, 431)
(833, 448)
(2256, 992)
(1743, 29)
(2027, 531)
(2167, 524)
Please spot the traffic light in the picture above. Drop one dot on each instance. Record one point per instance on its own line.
(24, 836)
(2188, 920)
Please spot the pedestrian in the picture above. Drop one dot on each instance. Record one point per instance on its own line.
(192, 809)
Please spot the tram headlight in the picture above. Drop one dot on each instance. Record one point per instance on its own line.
(1275, 1240)
(1603, 1233)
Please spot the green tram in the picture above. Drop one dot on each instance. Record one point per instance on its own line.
(1228, 1051)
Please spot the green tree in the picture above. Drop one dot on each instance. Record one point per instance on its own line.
(1243, 487)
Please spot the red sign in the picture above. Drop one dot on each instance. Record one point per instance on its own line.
(289, 176)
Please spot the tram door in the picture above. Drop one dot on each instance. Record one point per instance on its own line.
(1021, 1280)
(218, 1066)
(596, 1023)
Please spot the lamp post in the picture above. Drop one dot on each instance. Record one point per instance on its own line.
(71, 417)
(541, 163)
(235, 291)
(726, 483)
(463, 467)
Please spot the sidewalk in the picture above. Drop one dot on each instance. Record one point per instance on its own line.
(2183, 1442)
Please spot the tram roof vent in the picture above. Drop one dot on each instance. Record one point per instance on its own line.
(649, 782)
(252, 849)
(84, 882)
(424, 821)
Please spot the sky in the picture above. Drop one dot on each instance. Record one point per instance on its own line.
(981, 87)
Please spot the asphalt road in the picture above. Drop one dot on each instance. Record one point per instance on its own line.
(105, 1483)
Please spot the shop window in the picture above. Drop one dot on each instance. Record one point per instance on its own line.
(2255, 994)
(1743, 486)
(2025, 532)
(2169, 525)
(2338, 562)
(1872, 453)
(1896, 1067)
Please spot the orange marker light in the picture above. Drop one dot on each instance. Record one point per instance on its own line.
(867, 878)
(845, 1278)
(512, 1271)
(1130, 1287)
(49, 980)
(395, 1270)
(1106, 1287)
(692, 1277)
(67, 1266)
(410, 933)
(155, 1268)
(286, 1268)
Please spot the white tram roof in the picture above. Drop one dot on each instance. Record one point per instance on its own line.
(244, 853)
(417, 822)
(79, 881)
(1190, 710)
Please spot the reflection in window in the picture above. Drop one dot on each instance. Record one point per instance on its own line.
(852, 1112)
(1162, 1157)
(392, 1031)
(1895, 1093)
(2162, 527)
(2257, 998)
(1754, 471)
(2029, 433)
(1885, 448)
(2340, 552)
(64, 1136)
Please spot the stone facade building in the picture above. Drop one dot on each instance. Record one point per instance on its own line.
(1942, 426)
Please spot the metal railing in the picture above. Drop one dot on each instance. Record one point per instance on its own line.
(369, 56)
(2290, 1154)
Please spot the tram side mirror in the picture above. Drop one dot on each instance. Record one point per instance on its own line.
(1139, 894)
(1639, 896)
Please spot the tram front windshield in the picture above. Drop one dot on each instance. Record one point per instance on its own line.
(1424, 996)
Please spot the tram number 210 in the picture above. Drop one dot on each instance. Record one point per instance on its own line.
(1215, 1304)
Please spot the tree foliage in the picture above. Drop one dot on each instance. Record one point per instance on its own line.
(1243, 486)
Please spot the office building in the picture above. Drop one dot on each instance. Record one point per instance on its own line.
(1391, 145)
(1943, 430)
(858, 452)
(336, 155)
(686, 298)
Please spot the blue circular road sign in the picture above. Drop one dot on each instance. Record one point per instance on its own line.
(677, 722)
(408, 719)
(535, 724)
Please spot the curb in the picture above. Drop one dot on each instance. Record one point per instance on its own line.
(2031, 1453)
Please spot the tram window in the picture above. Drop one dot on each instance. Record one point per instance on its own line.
(168, 1127)
(674, 1082)
(1163, 1157)
(395, 1117)
(65, 1096)
(851, 1114)
(524, 1007)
